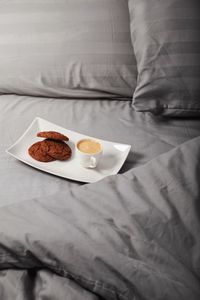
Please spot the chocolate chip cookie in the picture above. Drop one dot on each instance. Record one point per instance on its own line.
(36, 151)
(57, 149)
(53, 135)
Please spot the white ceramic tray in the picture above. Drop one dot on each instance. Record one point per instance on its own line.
(114, 154)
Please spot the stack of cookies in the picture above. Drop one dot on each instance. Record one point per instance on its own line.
(52, 148)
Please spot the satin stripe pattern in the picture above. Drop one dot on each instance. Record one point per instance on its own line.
(166, 41)
(66, 48)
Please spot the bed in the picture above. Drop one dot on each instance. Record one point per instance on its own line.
(114, 70)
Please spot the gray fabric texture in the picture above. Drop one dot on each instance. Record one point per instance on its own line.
(66, 48)
(130, 236)
(116, 121)
(40, 284)
(47, 211)
(166, 41)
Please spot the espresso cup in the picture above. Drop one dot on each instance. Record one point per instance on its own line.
(89, 152)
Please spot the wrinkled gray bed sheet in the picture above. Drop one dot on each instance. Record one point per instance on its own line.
(128, 237)
(111, 120)
(134, 235)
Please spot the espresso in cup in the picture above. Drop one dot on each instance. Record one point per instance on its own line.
(89, 146)
(89, 152)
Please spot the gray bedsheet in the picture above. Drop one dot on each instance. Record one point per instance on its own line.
(129, 236)
(111, 120)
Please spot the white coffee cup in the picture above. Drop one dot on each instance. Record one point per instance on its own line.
(89, 152)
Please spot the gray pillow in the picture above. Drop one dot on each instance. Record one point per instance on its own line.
(166, 41)
(73, 48)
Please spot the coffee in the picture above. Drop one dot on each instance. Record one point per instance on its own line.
(89, 146)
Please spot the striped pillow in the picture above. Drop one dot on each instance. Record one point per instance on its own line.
(166, 40)
(66, 48)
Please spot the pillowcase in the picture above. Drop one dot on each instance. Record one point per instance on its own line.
(66, 48)
(166, 41)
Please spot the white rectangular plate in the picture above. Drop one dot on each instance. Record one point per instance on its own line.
(114, 154)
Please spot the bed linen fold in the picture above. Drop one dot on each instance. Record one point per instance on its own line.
(129, 236)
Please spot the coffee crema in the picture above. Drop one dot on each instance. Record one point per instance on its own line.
(89, 146)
